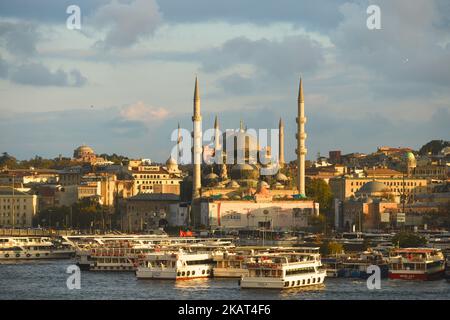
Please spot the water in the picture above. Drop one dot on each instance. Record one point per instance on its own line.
(47, 280)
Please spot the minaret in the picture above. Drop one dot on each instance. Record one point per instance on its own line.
(178, 145)
(197, 149)
(217, 147)
(281, 143)
(301, 137)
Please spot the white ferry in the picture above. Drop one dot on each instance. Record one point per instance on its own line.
(27, 248)
(284, 271)
(176, 265)
(124, 253)
(232, 263)
(416, 264)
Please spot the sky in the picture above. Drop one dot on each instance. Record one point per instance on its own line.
(123, 82)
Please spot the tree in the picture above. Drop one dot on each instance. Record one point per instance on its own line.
(408, 239)
(7, 160)
(319, 191)
(433, 147)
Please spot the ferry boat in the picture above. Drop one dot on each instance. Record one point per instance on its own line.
(27, 248)
(124, 253)
(356, 266)
(283, 271)
(176, 265)
(233, 263)
(416, 264)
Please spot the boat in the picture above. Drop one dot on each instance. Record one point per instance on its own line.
(283, 271)
(356, 266)
(176, 265)
(30, 248)
(333, 264)
(124, 253)
(231, 262)
(416, 264)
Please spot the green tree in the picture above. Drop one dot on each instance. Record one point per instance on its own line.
(319, 191)
(7, 160)
(433, 147)
(408, 239)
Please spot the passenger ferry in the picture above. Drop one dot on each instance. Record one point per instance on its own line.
(334, 265)
(232, 263)
(356, 266)
(176, 265)
(27, 248)
(416, 264)
(283, 271)
(124, 253)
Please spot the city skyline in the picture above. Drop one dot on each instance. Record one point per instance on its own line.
(122, 88)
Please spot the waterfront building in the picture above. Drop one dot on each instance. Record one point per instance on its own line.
(17, 208)
(155, 178)
(346, 187)
(147, 211)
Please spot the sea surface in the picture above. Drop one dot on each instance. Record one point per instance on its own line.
(46, 279)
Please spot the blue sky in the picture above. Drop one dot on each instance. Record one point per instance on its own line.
(123, 82)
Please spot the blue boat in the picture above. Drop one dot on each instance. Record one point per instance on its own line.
(356, 266)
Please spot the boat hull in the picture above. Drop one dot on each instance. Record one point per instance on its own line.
(230, 272)
(36, 255)
(420, 276)
(298, 281)
(185, 273)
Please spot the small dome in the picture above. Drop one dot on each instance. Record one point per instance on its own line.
(281, 177)
(373, 187)
(83, 151)
(171, 161)
(242, 167)
(233, 184)
(211, 176)
(409, 156)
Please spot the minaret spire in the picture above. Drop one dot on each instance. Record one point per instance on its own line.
(197, 149)
(301, 137)
(281, 143)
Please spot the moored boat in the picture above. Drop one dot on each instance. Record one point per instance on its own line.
(30, 248)
(416, 264)
(283, 271)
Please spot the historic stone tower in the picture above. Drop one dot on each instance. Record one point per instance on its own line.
(197, 145)
(301, 137)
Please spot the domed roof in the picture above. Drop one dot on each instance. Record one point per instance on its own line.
(84, 149)
(171, 161)
(373, 187)
(242, 167)
(281, 177)
(211, 176)
(233, 184)
(409, 156)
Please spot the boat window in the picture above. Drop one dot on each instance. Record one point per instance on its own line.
(203, 271)
(309, 281)
(193, 272)
(286, 283)
(188, 273)
(298, 282)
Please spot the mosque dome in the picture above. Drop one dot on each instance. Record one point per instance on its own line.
(171, 161)
(373, 188)
(83, 151)
(211, 176)
(233, 184)
(244, 172)
(242, 141)
(410, 159)
(281, 177)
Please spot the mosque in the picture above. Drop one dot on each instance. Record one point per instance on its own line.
(235, 194)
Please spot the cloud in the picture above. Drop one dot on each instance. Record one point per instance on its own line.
(37, 74)
(126, 23)
(140, 112)
(407, 49)
(3, 68)
(19, 38)
(323, 15)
